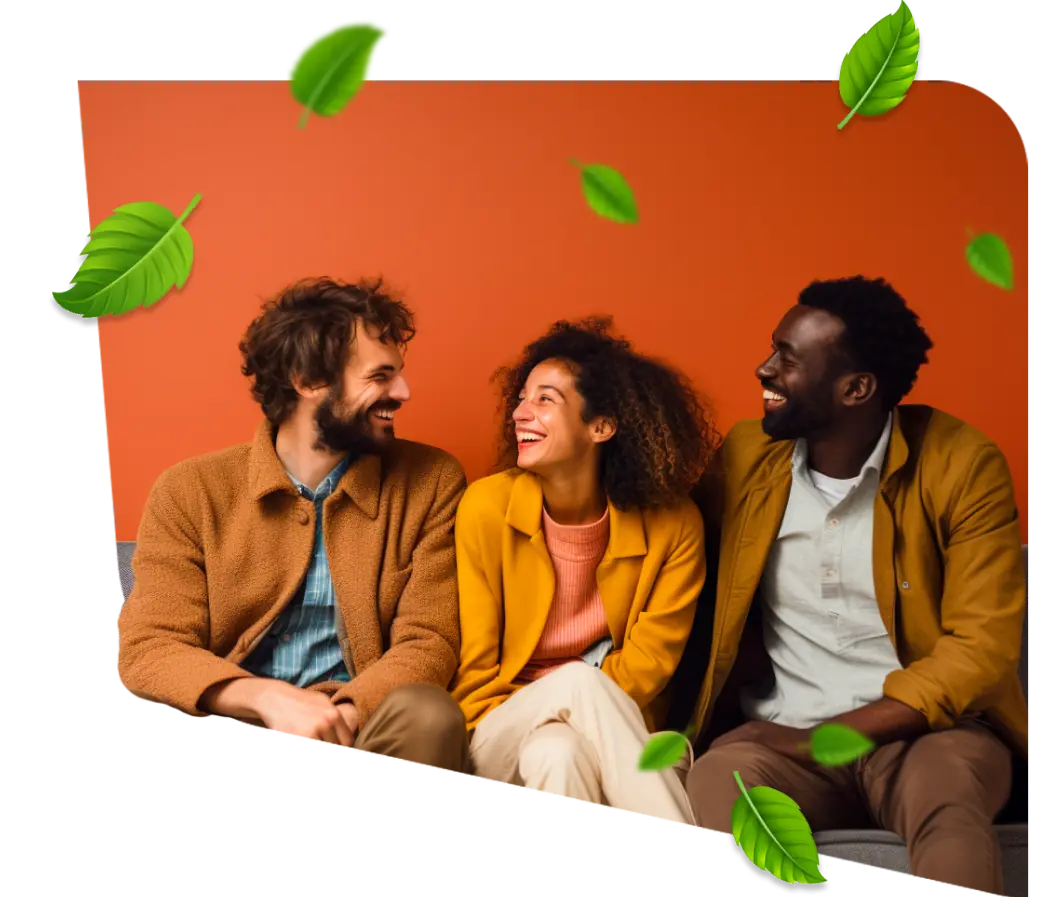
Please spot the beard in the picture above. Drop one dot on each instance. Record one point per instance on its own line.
(352, 433)
(797, 418)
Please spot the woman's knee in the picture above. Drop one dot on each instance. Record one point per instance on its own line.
(552, 746)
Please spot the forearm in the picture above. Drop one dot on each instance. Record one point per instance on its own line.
(239, 698)
(885, 720)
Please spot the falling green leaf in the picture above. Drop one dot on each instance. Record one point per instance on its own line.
(834, 744)
(881, 66)
(773, 833)
(990, 259)
(608, 193)
(134, 258)
(663, 750)
(331, 72)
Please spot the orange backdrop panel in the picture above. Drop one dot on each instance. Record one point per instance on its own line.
(464, 197)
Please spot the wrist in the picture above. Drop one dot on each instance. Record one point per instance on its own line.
(245, 698)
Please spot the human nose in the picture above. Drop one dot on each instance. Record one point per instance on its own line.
(399, 389)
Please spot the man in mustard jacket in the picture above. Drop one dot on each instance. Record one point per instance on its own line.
(870, 573)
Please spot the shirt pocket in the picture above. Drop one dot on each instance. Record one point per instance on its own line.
(859, 623)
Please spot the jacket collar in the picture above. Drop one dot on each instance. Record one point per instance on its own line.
(627, 534)
(266, 474)
(896, 454)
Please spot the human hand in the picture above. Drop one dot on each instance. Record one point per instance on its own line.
(785, 740)
(350, 716)
(310, 714)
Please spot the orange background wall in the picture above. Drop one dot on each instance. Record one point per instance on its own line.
(464, 197)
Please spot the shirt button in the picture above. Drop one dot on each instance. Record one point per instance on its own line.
(834, 523)
(286, 637)
(830, 572)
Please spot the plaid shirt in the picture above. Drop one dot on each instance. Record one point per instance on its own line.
(302, 646)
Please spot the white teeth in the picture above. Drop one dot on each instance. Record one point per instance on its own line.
(530, 437)
(772, 396)
(385, 415)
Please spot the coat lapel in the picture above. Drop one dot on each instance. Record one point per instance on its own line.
(618, 573)
(355, 547)
(529, 577)
(742, 560)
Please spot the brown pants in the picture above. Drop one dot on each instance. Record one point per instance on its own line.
(939, 794)
(417, 722)
(421, 723)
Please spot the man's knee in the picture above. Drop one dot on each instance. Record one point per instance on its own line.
(432, 709)
(711, 786)
(962, 777)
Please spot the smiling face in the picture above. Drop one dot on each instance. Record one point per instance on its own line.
(358, 412)
(550, 431)
(804, 381)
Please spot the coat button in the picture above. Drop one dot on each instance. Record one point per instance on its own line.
(304, 517)
(905, 584)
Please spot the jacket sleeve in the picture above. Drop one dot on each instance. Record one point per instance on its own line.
(164, 623)
(644, 664)
(424, 637)
(983, 602)
(477, 686)
(686, 686)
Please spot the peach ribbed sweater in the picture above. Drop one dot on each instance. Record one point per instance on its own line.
(576, 620)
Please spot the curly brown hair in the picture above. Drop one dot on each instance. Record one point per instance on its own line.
(308, 331)
(664, 436)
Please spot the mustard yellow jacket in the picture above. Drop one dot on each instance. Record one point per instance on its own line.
(649, 580)
(947, 564)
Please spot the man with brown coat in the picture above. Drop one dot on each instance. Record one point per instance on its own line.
(870, 573)
(306, 581)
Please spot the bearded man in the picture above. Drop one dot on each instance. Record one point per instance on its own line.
(306, 581)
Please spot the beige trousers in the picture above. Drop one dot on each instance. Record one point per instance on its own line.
(575, 732)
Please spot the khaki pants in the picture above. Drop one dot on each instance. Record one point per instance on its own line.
(938, 793)
(575, 732)
(417, 722)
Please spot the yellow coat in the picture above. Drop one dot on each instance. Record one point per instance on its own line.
(649, 580)
(947, 565)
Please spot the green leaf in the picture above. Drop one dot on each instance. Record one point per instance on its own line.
(608, 193)
(134, 258)
(881, 66)
(990, 259)
(663, 750)
(773, 833)
(834, 744)
(332, 70)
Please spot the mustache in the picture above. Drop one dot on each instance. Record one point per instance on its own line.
(767, 384)
(385, 405)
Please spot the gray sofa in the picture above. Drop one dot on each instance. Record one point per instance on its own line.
(871, 846)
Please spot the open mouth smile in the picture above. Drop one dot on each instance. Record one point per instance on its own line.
(526, 438)
(772, 400)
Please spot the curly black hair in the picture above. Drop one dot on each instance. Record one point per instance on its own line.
(881, 334)
(664, 437)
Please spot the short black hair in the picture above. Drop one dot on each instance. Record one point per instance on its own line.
(881, 334)
(665, 436)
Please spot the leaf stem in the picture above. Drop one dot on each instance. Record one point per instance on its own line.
(189, 209)
(304, 118)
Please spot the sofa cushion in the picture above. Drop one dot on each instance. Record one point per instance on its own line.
(879, 848)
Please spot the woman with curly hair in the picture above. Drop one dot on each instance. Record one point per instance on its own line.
(579, 567)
